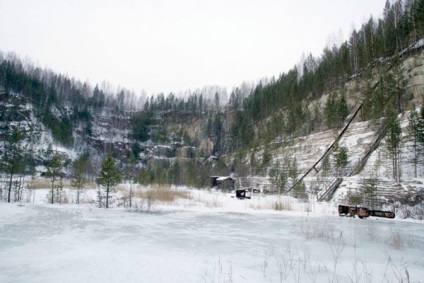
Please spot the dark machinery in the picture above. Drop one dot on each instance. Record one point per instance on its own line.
(243, 193)
(361, 212)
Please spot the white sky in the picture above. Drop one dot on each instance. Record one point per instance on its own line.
(165, 45)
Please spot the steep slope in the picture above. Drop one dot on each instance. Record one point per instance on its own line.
(368, 158)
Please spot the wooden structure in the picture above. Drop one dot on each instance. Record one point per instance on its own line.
(223, 182)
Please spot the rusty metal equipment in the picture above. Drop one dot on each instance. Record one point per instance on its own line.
(362, 212)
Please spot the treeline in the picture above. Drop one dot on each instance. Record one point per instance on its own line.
(287, 98)
(193, 172)
(45, 88)
(60, 102)
(48, 92)
(196, 103)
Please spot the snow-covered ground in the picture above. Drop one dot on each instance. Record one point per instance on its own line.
(208, 237)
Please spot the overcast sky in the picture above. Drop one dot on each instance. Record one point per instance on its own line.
(165, 45)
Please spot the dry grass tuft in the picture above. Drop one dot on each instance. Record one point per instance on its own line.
(121, 188)
(163, 193)
(283, 204)
(44, 183)
(262, 204)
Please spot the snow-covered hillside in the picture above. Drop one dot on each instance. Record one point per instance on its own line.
(358, 139)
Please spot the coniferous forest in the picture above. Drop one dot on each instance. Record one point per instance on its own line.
(231, 127)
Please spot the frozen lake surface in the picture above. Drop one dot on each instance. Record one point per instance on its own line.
(53, 243)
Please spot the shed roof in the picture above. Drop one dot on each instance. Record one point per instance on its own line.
(224, 178)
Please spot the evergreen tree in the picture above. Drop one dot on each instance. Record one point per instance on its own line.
(54, 172)
(394, 85)
(191, 175)
(252, 163)
(341, 159)
(376, 100)
(174, 174)
(326, 166)
(416, 133)
(330, 110)
(218, 133)
(393, 133)
(145, 177)
(293, 172)
(279, 177)
(336, 110)
(141, 123)
(342, 110)
(13, 157)
(109, 175)
(299, 188)
(316, 117)
(266, 157)
(160, 176)
(217, 102)
(370, 192)
(274, 174)
(78, 178)
(208, 127)
(130, 174)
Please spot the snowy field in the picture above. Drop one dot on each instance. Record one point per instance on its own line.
(209, 238)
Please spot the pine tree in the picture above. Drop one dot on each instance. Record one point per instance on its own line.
(299, 189)
(13, 157)
(130, 174)
(370, 192)
(326, 166)
(394, 87)
(330, 110)
(279, 177)
(78, 178)
(342, 110)
(174, 173)
(190, 174)
(341, 159)
(266, 157)
(393, 133)
(54, 171)
(109, 175)
(141, 125)
(218, 133)
(416, 133)
(293, 172)
(252, 162)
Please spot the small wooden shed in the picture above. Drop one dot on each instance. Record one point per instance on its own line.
(223, 182)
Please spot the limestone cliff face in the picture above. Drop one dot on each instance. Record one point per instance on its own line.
(414, 72)
(411, 67)
(110, 130)
(357, 138)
